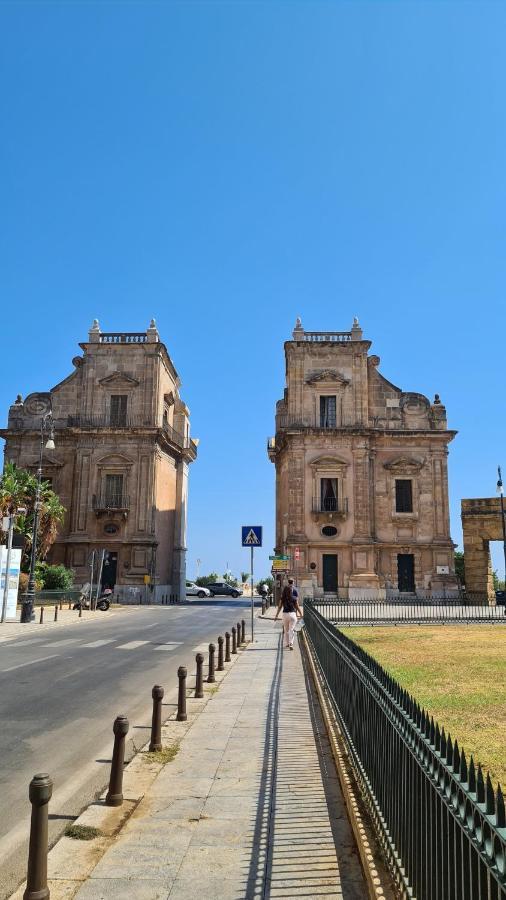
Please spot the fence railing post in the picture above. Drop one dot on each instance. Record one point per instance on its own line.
(220, 666)
(115, 793)
(181, 696)
(211, 677)
(156, 720)
(40, 791)
(199, 678)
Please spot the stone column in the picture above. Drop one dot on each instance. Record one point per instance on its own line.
(180, 523)
(479, 581)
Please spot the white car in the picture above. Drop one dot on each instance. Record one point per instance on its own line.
(195, 590)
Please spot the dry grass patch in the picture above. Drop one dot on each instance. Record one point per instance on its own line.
(163, 756)
(457, 673)
(82, 832)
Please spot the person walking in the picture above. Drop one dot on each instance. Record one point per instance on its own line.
(291, 612)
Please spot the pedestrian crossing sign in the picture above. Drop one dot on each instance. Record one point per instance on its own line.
(252, 535)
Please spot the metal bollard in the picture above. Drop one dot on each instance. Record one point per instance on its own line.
(56, 613)
(181, 698)
(80, 610)
(243, 631)
(238, 632)
(61, 605)
(199, 680)
(115, 793)
(234, 641)
(156, 720)
(220, 666)
(70, 605)
(40, 790)
(263, 606)
(211, 677)
(227, 646)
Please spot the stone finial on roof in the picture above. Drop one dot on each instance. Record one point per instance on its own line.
(356, 331)
(94, 332)
(437, 400)
(152, 332)
(298, 331)
(19, 400)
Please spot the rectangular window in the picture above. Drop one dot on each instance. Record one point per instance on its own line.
(113, 491)
(403, 495)
(327, 412)
(328, 494)
(118, 410)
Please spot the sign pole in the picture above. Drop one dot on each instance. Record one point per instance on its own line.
(252, 602)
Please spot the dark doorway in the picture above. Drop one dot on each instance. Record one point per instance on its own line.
(406, 572)
(109, 570)
(330, 573)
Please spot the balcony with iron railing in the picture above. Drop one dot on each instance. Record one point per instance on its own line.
(111, 501)
(329, 508)
(286, 422)
(125, 423)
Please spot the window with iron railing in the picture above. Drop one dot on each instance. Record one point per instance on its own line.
(328, 494)
(113, 494)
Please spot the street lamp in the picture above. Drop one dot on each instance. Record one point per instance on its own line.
(46, 427)
(500, 491)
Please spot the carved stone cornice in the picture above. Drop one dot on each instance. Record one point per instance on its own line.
(328, 376)
(117, 378)
(407, 465)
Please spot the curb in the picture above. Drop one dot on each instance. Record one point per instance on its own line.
(379, 884)
(70, 862)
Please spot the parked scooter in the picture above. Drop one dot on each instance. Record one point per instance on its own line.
(103, 602)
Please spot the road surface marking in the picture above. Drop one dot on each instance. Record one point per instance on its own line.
(132, 645)
(169, 645)
(61, 643)
(99, 643)
(32, 663)
(202, 648)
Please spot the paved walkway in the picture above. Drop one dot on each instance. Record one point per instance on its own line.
(250, 807)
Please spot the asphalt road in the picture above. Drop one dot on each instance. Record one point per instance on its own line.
(60, 693)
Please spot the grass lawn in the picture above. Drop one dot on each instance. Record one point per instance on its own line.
(458, 673)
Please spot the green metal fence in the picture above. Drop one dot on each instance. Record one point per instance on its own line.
(439, 820)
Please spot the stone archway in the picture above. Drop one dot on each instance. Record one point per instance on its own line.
(481, 523)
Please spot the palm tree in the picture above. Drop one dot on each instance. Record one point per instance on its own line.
(17, 489)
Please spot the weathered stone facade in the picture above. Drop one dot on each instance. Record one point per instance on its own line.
(361, 474)
(481, 523)
(120, 464)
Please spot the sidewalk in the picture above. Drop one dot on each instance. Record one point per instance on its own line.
(10, 630)
(243, 809)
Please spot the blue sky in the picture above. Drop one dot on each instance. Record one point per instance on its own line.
(226, 167)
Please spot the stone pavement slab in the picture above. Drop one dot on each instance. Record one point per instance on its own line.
(251, 805)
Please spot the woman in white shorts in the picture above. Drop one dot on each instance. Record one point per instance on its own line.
(291, 612)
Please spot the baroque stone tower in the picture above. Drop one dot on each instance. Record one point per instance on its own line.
(120, 464)
(361, 474)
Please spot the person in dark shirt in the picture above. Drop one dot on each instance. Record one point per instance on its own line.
(291, 612)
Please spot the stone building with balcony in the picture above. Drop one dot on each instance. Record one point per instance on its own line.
(361, 474)
(120, 463)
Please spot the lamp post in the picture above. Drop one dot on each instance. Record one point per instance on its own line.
(46, 426)
(500, 491)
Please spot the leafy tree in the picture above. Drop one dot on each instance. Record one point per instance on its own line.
(54, 578)
(269, 582)
(18, 489)
(460, 570)
(245, 577)
(204, 580)
(230, 579)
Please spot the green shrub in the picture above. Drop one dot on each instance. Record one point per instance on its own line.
(54, 578)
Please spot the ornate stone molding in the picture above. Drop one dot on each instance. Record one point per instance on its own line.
(117, 378)
(328, 462)
(329, 376)
(407, 465)
(37, 404)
